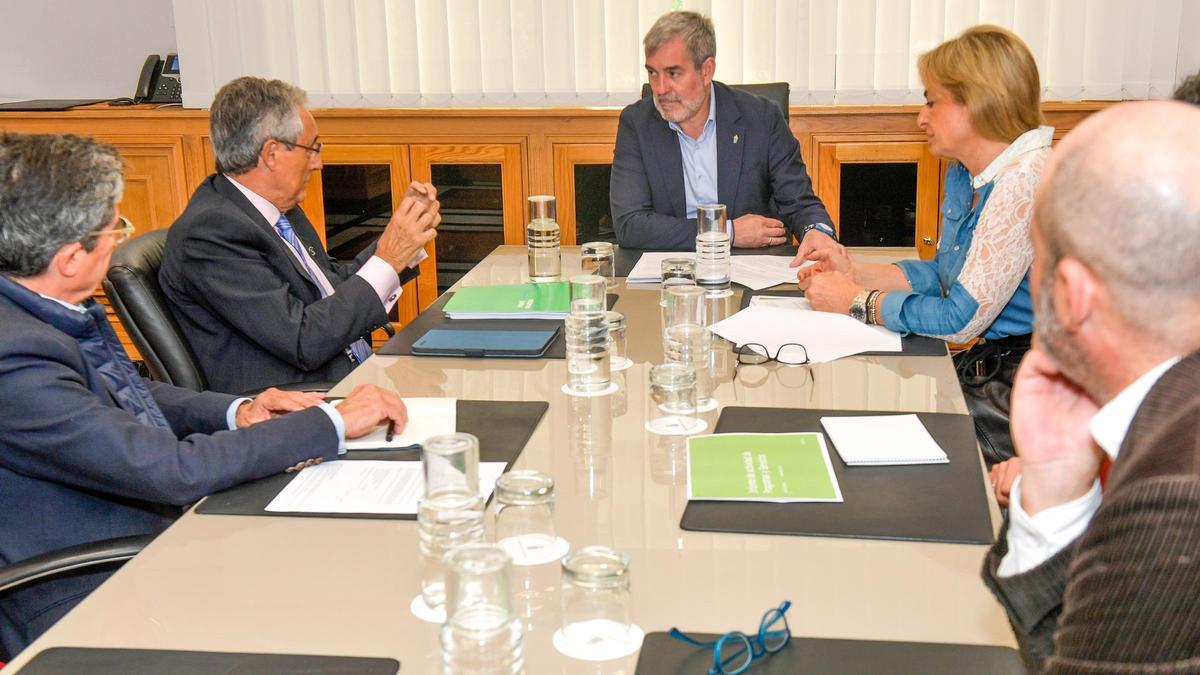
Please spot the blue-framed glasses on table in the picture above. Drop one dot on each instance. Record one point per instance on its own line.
(733, 652)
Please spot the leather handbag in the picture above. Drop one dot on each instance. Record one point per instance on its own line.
(986, 372)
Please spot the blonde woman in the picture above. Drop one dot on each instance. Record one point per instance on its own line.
(983, 111)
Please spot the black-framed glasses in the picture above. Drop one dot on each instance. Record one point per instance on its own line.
(314, 149)
(734, 651)
(789, 354)
(120, 235)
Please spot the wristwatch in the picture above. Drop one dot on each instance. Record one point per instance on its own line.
(822, 227)
(858, 306)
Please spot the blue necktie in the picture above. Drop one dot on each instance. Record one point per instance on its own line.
(359, 349)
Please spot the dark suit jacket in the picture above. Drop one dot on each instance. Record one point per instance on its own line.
(760, 173)
(1125, 596)
(251, 314)
(76, 468)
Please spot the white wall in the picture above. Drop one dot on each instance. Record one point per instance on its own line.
(79, 48)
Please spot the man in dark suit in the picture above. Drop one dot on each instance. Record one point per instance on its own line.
(696, 141)
(89, 450)
(1102, 578)
(253, 289)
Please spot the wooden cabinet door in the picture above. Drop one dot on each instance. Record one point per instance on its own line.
(507, 157)
(833, 153)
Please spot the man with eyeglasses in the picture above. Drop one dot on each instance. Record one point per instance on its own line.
(247, 277)
(88, 449)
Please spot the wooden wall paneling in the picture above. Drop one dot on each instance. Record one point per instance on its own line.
(566, 156)
(156, 190)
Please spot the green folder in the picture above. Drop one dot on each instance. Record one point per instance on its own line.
(761, 468)
(517, 301)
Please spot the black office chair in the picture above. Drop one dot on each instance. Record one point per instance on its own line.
(775, 92)
(132, 287)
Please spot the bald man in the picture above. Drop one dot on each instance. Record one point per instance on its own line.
(1104, 579)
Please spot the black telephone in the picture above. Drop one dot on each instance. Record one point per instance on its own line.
(159, 81)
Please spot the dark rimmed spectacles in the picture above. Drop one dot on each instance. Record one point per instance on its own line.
(314, 149)
(120, 235)
(789, 354)
(733, 652)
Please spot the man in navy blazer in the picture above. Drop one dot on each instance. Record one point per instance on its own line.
(251, 285)
(697, 141)
(89, 450)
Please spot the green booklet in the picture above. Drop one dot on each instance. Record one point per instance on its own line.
(551, 300)
(761, 468)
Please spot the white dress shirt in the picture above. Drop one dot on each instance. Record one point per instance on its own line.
(1032, 540)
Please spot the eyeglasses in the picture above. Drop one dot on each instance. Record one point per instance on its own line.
(314, 149)
(733, 652)
(789, 354)
(120, 235)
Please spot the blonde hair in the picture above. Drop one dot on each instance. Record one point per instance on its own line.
(992, 72)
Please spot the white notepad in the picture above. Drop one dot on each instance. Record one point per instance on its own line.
(883, 440)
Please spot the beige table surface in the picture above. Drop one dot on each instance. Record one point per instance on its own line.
(343, 586)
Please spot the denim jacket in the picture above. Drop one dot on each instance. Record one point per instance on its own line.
(956, 295)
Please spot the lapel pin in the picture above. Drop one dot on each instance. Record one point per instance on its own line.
(312, 252)
(735, 139)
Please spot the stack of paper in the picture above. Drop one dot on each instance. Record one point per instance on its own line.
(826, 336)
(752, 271)
(883, 440)
(426, 417)
(516, 301)
(778, 468)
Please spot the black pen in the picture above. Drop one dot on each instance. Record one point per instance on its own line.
(388, 438)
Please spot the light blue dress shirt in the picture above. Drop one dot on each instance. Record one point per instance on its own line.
(700, 160)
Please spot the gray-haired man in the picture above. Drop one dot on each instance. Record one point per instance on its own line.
(250, 283)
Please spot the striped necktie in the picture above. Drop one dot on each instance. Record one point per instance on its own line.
(359, 349)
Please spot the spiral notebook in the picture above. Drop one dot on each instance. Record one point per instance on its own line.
(883, 440)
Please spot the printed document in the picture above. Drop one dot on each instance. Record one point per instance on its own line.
(752, 271)
(778, 468)
(774, 322)
(879, 440)
(366, 486)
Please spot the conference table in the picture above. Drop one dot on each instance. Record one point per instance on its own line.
(342, 586)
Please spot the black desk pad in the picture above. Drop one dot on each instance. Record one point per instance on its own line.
(103, 661)
(626, 258)
(923, 502)
(910, 345)
(503, 428)
(664, 655)
(401, 343)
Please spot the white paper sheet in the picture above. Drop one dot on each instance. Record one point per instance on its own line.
(879, 440)
(426, 417)
(365, 486)
(753, 271)
(825, 335)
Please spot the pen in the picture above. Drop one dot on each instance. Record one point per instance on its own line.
(388, 437)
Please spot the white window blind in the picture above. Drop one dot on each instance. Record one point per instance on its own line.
(446, 53)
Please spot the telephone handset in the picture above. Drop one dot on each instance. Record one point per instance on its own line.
(159, 81)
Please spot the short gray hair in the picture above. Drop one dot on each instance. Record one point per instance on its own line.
(1136, 225)
(54, 189)
(248, 112)
(697, 32)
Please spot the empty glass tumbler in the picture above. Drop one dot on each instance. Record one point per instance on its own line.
(481, 634)
(588, 367)
(596, 608)
(599, 258)
(451, 513)
(589, 293)
(690, 344)
(673, 400)
(525, 517)
(712, 245)
(543, 237)
(677, 272)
